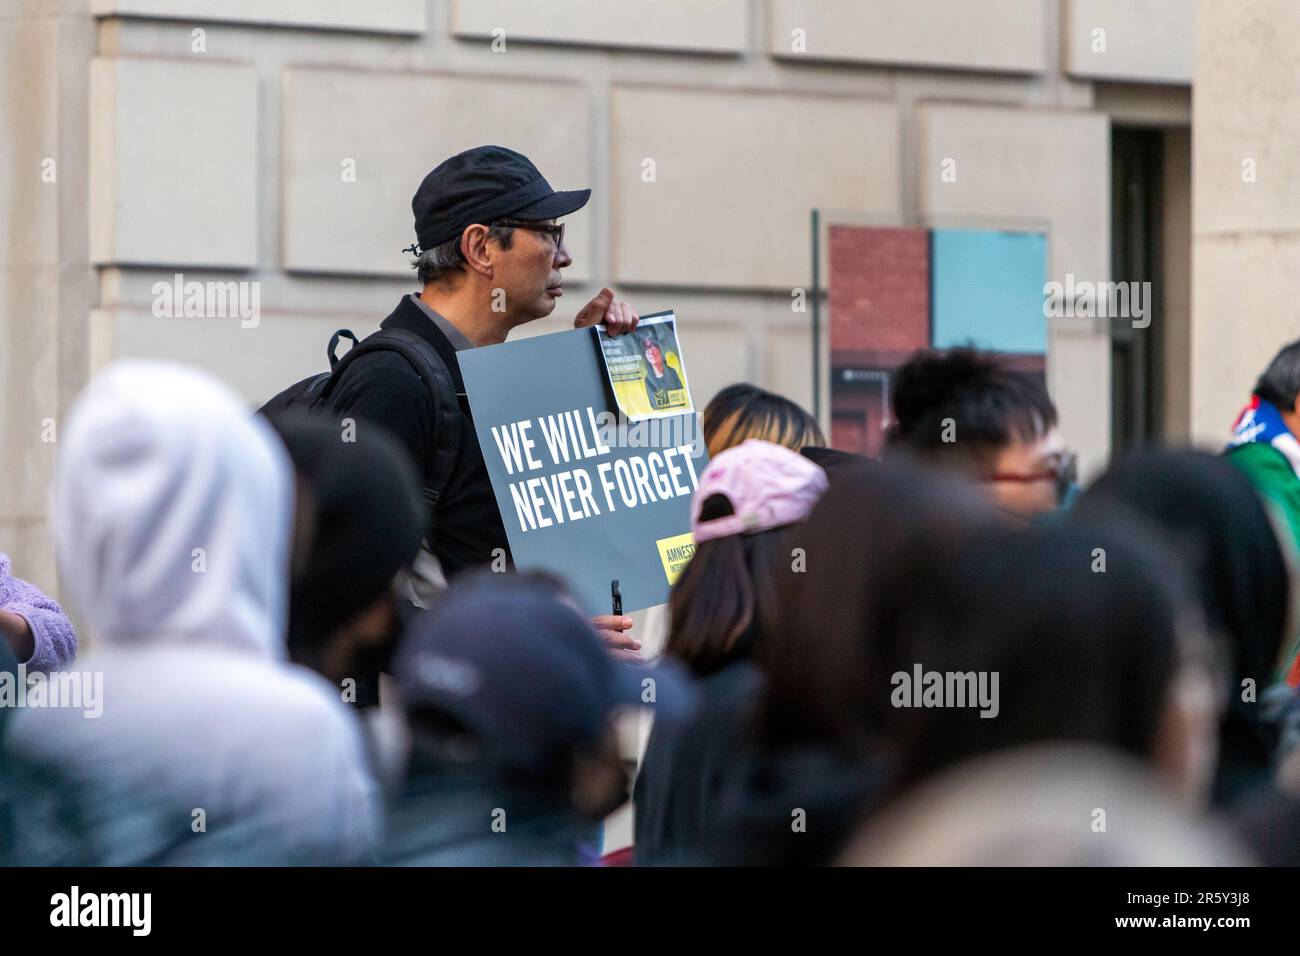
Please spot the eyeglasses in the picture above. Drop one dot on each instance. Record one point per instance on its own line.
(556, 232)
(1064, 473)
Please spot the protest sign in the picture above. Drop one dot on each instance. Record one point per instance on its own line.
(584, 492)
(646, 369)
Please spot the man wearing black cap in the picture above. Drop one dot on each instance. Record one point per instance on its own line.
(489, 254)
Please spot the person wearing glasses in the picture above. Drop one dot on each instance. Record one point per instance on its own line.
(489, 257)
(970, 412)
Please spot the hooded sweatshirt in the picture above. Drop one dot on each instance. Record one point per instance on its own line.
(172, 511)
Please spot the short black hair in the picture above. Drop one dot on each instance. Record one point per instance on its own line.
(990, 403)
(1281, 380)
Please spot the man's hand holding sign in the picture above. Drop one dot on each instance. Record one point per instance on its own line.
(618, 318)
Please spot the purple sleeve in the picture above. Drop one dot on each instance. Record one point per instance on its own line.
(56, 642)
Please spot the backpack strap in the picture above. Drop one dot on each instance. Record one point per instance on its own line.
(334, 344)
(437, 378)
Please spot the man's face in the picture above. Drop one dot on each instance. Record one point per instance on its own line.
(1023, 476)
(529, 273)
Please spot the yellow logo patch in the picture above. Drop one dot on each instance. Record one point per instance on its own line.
(676, 552)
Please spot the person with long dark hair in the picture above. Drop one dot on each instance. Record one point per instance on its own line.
(819, 755)
(1231, 547)
(1085, 632)
(724, 598)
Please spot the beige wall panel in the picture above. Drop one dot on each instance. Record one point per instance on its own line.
(1242, 314)
(29, 397)
(28, 137)
(1144, 40)
(1246, 235)
(174, 180)
(717, 355)
(716, 26)
(397, 127)
(999, 35)
(1246, 115)
(788, 363)
(382, 16)
(736, 175)
(256, 362)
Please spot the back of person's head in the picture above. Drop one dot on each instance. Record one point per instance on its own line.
(853, 574)
(173, 511)
(1070, 633)
(1053, 805)
(743, 411)
(503, 675)
(1226, 537)
(360, 522)
(747, 495)
(989, 404)
(173, 519)
(1237, 557)
(1280, 382)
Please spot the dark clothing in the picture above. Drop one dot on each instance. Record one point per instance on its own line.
(657, 389)
(1216, 520)
(835, 462)
(8, 673)
(382, 387)
(463, 816)
(796, 807)
(686, 761)
(1268, 823)
(368, 522)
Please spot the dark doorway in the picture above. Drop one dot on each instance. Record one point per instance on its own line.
(1137, 384)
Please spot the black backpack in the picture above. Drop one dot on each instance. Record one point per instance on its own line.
(312, 395)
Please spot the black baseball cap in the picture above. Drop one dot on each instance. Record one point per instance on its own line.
(508, 659)
(481, 185)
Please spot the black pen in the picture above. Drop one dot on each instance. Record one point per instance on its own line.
(617, 597)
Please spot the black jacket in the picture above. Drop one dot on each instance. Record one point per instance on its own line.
(685, 764)
(384, 388)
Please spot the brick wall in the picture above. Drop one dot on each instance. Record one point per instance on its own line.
(879, 289)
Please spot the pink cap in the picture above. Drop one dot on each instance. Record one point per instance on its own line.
(768, 486)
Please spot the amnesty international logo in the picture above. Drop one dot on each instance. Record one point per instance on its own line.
(676, 552)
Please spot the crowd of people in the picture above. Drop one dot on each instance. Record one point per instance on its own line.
(310, 647)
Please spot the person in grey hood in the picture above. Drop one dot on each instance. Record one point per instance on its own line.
(172, 515)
